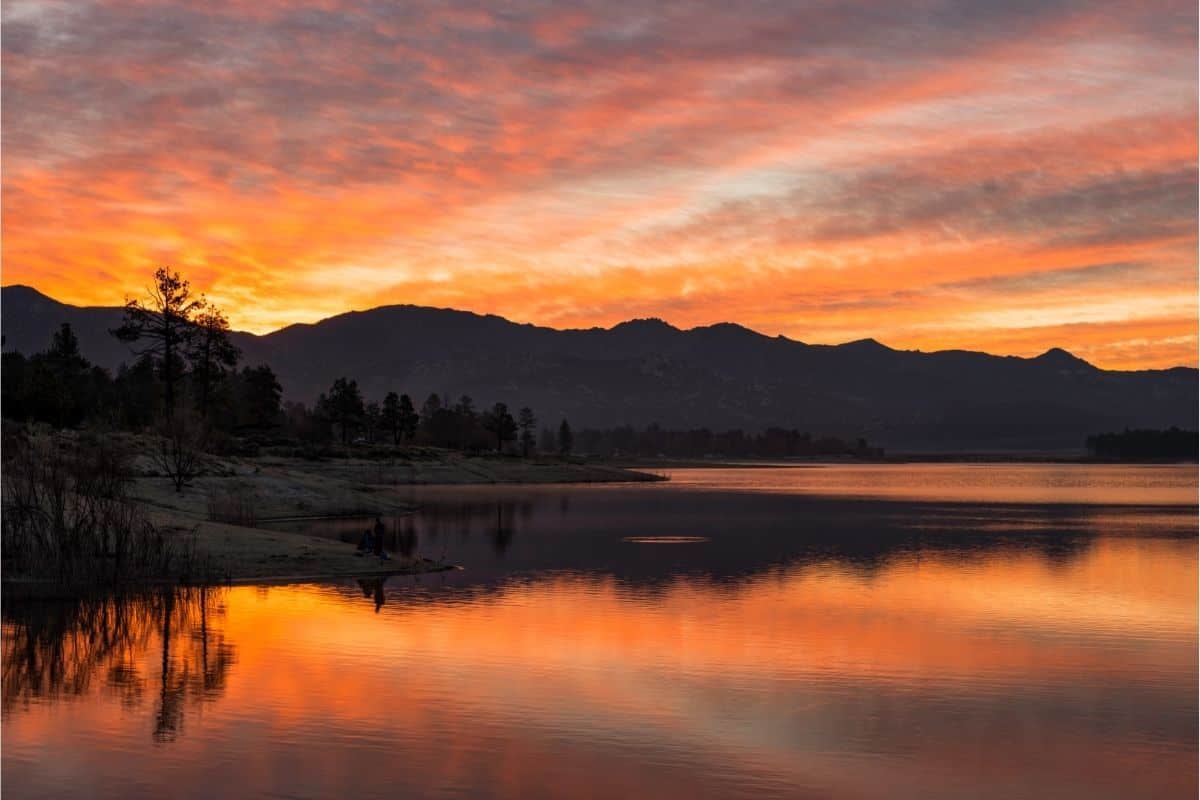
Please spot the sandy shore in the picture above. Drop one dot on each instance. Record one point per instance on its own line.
(219, 524)
(221, 512)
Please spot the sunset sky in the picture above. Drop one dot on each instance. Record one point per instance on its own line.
(961, 173)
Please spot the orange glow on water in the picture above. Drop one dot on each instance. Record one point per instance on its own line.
(548, 680)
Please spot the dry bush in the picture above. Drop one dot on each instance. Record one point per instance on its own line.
(235, 503)
(181, 445)
(66, 514)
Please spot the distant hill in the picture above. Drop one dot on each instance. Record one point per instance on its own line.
(719, 376)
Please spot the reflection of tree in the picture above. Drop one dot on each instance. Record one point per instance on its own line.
(55, 650)
(404, 537)
(503, 535)
(497, 517)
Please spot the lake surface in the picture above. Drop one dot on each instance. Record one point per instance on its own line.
(925, 631)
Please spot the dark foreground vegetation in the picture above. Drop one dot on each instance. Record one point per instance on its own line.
(1148, 445)
(68, 518)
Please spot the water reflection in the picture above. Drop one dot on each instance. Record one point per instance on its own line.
(495, 533)
(780, 646)
(373, 588)
(1008, 675)
(57, 650)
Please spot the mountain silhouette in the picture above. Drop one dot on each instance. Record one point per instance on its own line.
(646, 370)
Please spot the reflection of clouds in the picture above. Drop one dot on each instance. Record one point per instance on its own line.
(993, 675)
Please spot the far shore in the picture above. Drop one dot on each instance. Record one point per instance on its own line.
(896, 458)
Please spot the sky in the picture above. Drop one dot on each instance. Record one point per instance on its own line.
(937, 174)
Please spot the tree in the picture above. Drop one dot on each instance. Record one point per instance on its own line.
(210, 353)
(64, 347)
(165, 323)
(64, 370)
(344, 405)
(372, 421)
(258, 397)
(527, 423)
(466, 419)
(433, 404)
(408, 418)
(181, 444)
(500, 423)
(390, 415)
(565, 439)
(138, 394)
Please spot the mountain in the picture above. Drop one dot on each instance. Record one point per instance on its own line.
(645, 370)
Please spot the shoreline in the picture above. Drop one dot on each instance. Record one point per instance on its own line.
(221, 525)
(17, 589)
(899, 458)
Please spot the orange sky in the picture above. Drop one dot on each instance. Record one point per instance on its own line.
(950, 174)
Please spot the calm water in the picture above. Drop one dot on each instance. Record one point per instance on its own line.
(902, 631)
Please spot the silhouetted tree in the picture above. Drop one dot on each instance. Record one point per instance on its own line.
(408, 418)
(138, 393)
(1134, 445)
(774, 442)
(258, 396)
(390, 415)
(57, 386)
(165, 324)
(309, 426)
(527, 422)
(500, 424)
(14, 390)
(344, 406)
(210, 353)
(466, 419)
(65, 371)
(566, 440)
(372, 421)
(433, 404)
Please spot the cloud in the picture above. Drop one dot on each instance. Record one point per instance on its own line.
(569, 162)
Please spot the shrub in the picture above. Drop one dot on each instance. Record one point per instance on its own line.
(66, 514)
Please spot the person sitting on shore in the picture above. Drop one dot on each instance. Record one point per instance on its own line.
(366, 544)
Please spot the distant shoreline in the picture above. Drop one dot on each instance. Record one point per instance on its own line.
(897, 458)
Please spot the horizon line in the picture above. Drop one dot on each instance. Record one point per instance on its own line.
(864, 340)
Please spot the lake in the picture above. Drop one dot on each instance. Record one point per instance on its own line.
(925, 631)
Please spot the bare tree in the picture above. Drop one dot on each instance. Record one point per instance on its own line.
(181, 448)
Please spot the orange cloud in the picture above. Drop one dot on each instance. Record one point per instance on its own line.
(938, 180)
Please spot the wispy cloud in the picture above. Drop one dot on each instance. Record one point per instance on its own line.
(827, 171)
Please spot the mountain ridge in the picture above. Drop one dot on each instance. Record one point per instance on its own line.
(642, 371)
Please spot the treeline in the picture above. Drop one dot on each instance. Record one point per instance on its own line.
(342, 414)
(185, 379)
(1172, 443)
(186, 385)
(656, 441)
(185, 365)
(61, 388)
